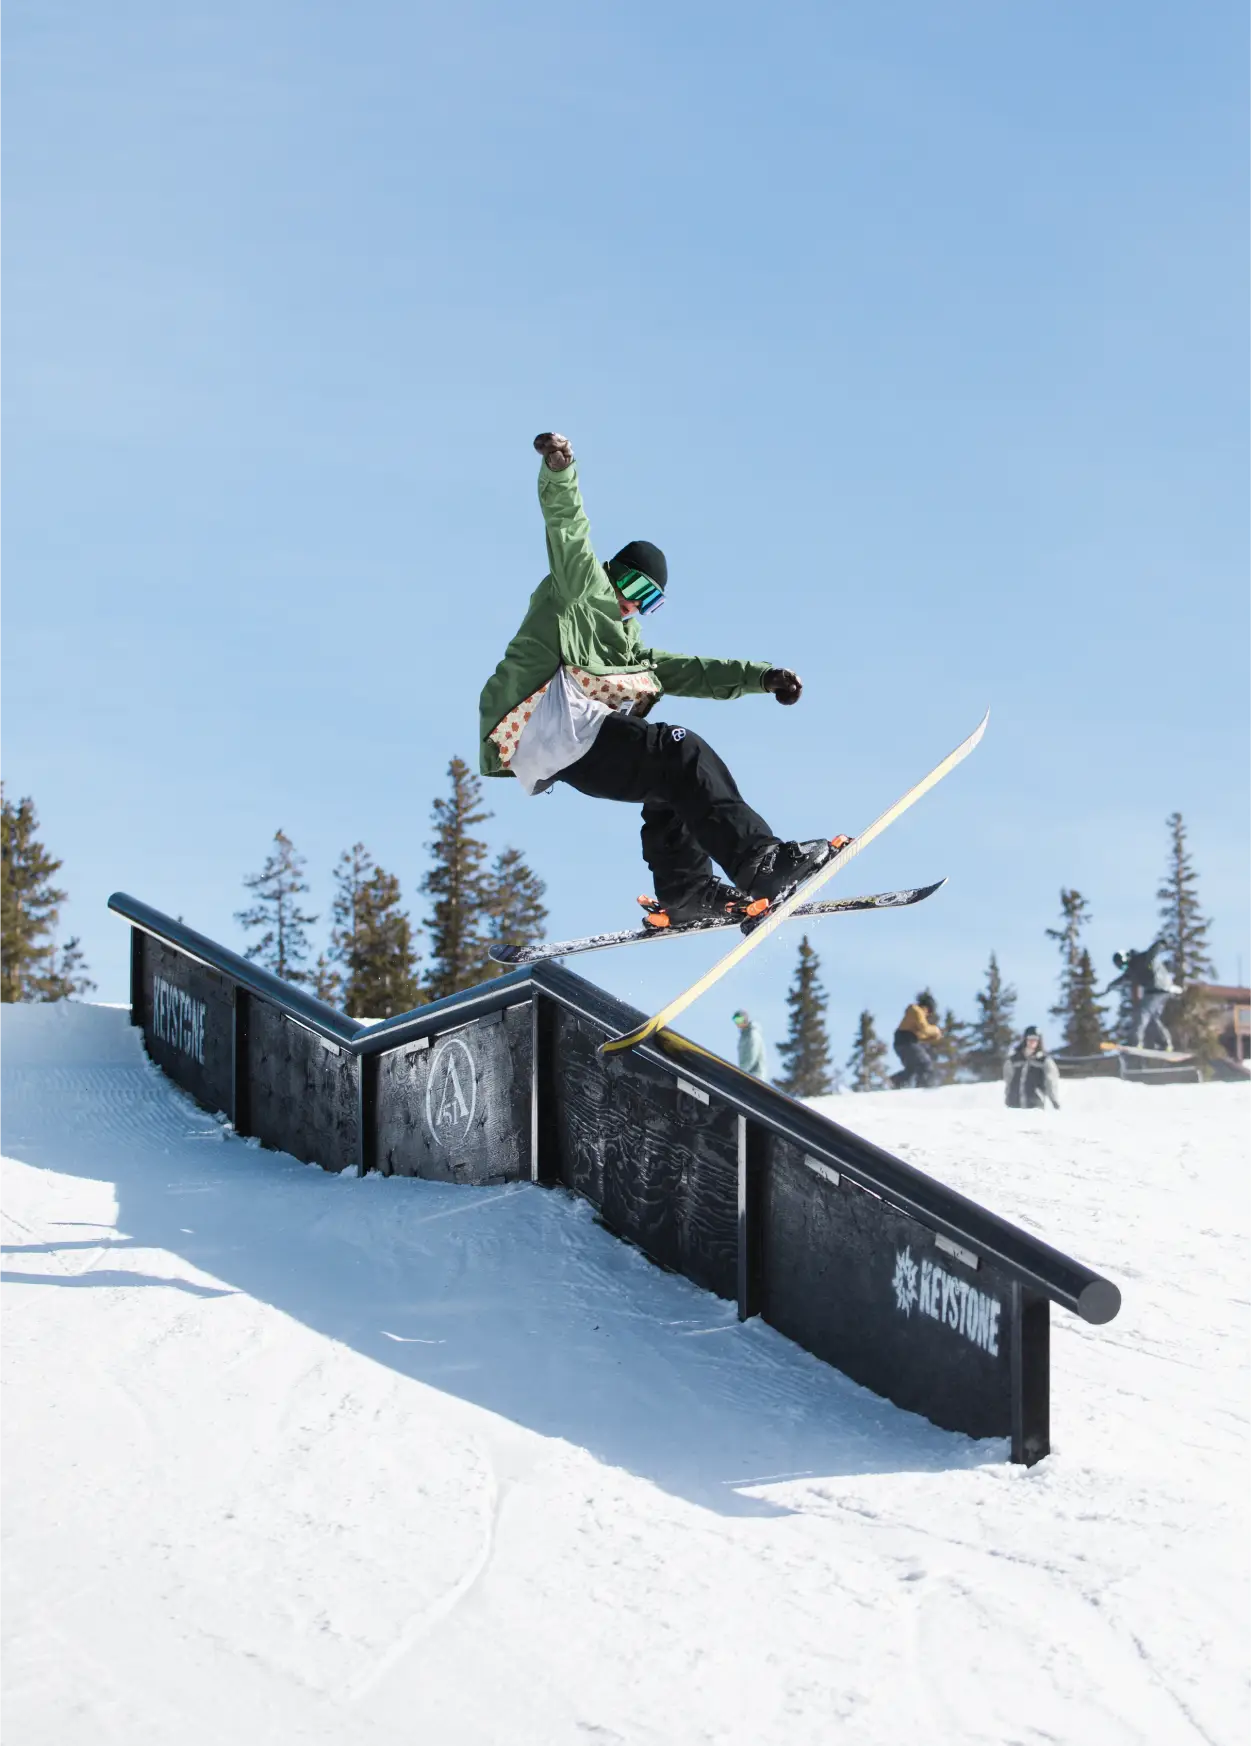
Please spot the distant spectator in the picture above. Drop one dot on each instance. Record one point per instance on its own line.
(1150, 986)
(1031, 1078)
(751, 1045)
(917, 1028)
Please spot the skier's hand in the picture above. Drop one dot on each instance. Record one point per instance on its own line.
(785, 684)
(555, 450)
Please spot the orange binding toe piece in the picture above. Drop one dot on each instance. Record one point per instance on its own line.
(656, 918)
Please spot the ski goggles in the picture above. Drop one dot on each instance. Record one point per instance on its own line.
(642, 592)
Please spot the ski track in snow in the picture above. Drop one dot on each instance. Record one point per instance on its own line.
(292, 1457)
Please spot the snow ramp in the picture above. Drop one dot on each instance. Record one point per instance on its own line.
(905, 1285)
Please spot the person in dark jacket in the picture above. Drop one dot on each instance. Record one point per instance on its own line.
(916, 1030)
(1031, 1078)
(1150, 986)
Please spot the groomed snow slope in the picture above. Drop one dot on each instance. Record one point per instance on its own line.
(295, 1458)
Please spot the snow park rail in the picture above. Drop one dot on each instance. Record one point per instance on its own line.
(909, 1288)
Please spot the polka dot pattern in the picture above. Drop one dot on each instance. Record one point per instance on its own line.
(613, 689)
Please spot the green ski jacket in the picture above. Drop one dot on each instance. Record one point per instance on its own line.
(574, 619)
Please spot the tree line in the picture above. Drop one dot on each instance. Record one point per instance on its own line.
(976, 1048)
(32, 967)
(371, 966)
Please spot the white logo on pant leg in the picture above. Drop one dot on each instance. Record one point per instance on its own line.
(678, 733)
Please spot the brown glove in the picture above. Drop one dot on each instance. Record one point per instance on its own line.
(555, 450)
(785, 684)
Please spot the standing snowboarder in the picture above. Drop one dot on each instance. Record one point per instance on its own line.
(1150, 987)
(915, 1031)
(567, 704)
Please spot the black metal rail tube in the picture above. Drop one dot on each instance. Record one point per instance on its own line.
(304, 1008)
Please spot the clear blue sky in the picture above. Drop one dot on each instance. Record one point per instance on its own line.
(915, 334)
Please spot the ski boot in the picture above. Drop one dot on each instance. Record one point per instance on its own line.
(780, 870)
(713, 900)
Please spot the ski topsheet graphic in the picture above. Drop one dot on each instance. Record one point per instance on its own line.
(802, 894)
(517, 955)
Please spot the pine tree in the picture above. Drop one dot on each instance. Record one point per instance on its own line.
(951, 1052)
(284, 946)
(70, 979)
(327, 982)
(868, 1061)
(1081, 1015)
(1085, 1020)
(992, 1031)
(30, 907)
(352, 869)
(805, 1055)
(372, 963)
(870, 1057)
(516, 913)
(1190, 1016)
(459, 885)
(383, 978)
(1126, 1024)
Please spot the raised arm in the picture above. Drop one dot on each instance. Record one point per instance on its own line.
(571, 557)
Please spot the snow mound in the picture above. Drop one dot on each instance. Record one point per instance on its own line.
(290, 1456)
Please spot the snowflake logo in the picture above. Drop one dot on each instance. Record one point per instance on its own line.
(904, 1282)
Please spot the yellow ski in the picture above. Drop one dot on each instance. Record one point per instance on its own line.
(802, 894)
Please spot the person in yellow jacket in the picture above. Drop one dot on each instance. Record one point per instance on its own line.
(917, 1029)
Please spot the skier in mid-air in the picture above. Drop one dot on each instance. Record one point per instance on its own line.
(567, 704)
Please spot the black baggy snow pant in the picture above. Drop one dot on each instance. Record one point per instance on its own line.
(693, 813)
(919, 1066)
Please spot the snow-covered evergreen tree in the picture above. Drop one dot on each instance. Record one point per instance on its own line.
(868, 1061)
(459, 885)
(284, 945)
(30, 908)
(805, 1053)
(992, 1034)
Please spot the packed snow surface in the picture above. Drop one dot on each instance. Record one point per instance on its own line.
(291, 1457)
